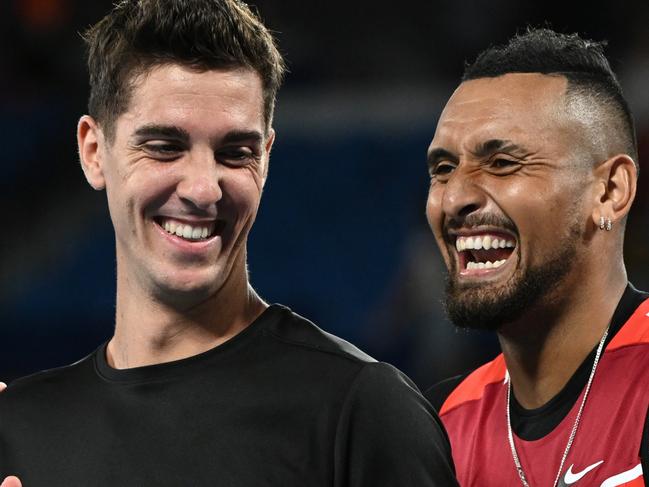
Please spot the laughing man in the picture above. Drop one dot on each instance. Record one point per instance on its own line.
(533, 171)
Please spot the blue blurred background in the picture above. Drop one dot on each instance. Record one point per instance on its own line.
(341, 236)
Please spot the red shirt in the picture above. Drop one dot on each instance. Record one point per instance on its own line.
(606, 448)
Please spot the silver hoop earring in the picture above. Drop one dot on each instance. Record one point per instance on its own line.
(602, 224)
(609, 225)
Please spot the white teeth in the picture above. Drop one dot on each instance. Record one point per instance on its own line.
(485, 265)
(187, 231)
(486, 242)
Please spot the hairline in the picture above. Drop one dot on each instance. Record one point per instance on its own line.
(138, 74)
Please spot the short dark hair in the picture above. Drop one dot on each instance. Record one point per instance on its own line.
(202, 34)
(582, 62)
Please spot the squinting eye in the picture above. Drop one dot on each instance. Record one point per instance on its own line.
(501, 163)
(236, 157)
(163, 148)
(442, 171)
(163, 151)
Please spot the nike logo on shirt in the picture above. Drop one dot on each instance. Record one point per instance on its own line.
(616, 480)
(571, 478)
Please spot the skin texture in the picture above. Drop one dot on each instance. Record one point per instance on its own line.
(192, 146)
(545, 187)
(206, 166)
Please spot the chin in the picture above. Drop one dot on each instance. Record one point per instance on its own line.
(491, 306)
(188, 288)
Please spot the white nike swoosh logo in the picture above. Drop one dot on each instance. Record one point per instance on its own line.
(623, 477)
(571, 478)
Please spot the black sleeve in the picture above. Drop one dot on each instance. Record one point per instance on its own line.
(438, 393)
(644, 445)
(389, 435)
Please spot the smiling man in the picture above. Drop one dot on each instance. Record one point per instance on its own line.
(203, 383)
(533, 172)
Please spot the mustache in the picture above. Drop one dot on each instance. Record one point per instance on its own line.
(482, 219)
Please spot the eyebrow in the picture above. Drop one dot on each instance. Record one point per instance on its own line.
(482, 149)
(491, 146)
(242, 136)
(182, 135)
(162, 132)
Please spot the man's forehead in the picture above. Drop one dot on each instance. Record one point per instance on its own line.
(202, 100)
(503, 106)
(513, 91)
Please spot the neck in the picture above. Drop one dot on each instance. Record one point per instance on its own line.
(149, 331)
(544, 348)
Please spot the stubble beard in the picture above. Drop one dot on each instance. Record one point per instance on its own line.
(491, 306)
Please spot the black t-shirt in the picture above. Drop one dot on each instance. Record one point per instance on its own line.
(281, 404)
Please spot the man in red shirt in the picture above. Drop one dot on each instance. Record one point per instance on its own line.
(533, 171)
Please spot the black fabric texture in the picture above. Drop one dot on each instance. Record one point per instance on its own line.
(281, 404)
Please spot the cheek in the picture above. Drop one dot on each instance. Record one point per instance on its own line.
(242, 189)
(434, 210)
(434, 216)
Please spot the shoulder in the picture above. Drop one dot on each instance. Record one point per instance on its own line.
(439, 392)
(456, 391)
(388, 432)
(298, 332)
(33, 390)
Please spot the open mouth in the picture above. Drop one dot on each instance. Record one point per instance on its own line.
(192, 232)
(484, 251)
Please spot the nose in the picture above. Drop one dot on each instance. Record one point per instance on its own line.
(463, 194)
(200, 184)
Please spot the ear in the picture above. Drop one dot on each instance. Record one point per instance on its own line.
(616, 186)
(90, 139)
(269, 145)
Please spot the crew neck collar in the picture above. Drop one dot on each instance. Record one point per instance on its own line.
(179, 367)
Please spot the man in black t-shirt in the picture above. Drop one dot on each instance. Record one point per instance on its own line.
(203, 383)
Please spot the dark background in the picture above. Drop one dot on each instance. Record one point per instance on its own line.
(341, 236)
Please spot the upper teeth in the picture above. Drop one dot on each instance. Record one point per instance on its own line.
(482, 242)
(188, 231)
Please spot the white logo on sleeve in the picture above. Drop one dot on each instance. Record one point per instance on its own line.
(571, 478)
(624, 477)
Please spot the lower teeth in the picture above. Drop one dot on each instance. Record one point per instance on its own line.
(485, 265)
